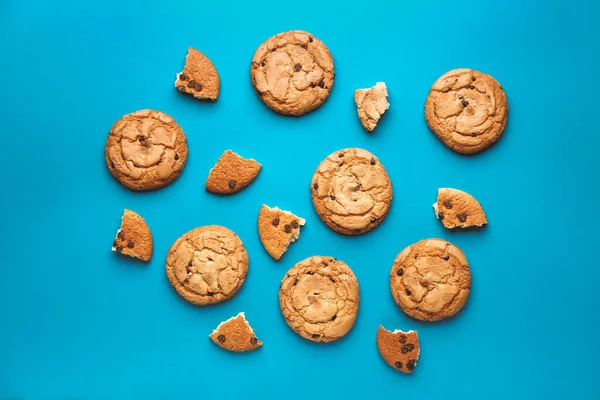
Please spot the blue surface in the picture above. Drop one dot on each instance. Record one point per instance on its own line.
(77, 322)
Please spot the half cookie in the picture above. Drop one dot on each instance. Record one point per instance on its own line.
(235, 334)
(371, 104)
(231, 174)
(134, 238)
(399, 349)
(199, 77)
(277, 229)
(458, 209)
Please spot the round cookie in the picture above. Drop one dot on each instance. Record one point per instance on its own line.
(431, 280)
(292, 72)
(319, 298)
(146, 150)
(467, 110)
(207, 265)
(351, 191)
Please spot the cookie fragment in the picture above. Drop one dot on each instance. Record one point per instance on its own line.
(134, 238)
(199, 77)
(371, 104)
(458, 209)
(231, 174)
(277, 229)
(399, 349)
(235, 334)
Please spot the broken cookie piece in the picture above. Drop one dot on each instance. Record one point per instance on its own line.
(278, 229)
(399, 349)
(133, 238)
(235, 334)
(199, 77)
(371, 104)
(231, 174)
(458, 209)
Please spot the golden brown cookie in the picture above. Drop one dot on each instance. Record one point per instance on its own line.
(458, 209)
(231, 174)
(431, 280)
(371, 104)
(278, 229)
(292, 72)
(146, 150)
(235, 334)
(207, 265)
(199, 77)
(319, 298)
(133, 238)
(351, 191)
(399, 349)
(467, 110)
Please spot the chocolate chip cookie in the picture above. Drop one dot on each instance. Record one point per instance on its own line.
(236, 335)
(133, 238)
(371, 103)
(399, 349)
(277, 229)
(231, 174)
(458, 209)
(199, 77)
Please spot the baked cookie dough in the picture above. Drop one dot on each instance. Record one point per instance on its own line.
(399, 349)
(277, 229)
(133, 238)
(458, 209)
(351, 191)
(371, 104)
(207, 265)
(292, 72)
(319, 298)
(231, 174)
(236, 335)
(467, 110)
(199, 77)
(431, 280)
(146, 150)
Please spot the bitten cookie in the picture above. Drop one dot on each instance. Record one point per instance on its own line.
(351, 191)
(319, 298)
(231, 174)
(207, 265)
(133, 238)
(278, 229)
(458, 209)
(146, 150)
(467, 110)
(371, 104)
(292, 72)
(431, 280)
(199, 77)
(235, 334)
(399, 349)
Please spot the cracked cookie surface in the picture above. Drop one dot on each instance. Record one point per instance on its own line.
(351, 191)
(134, 238)
(371, 103)
(431, 280)
(199, 77)
(458, 209)
(399, 349)
(292, 72)
(467, 110)
(146, 150)
(236, 335)
(319, 298)
(207, 265)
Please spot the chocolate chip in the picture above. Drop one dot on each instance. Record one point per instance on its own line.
(331, 279)
(191, 84)
(315, 186)
(304, 46)
(441, 215)
(316, 335)
(471, 86)
(321, 84)
(176, 157)
(287, 229)
(254, 340)
(183, 77)
(112, 164)
(410, 364)
(275, 221)
(373, 220)
(297, 67)
(332, 197)
(473, 134)
(418, 309)
(334, 317)
(341, 155)
(404, 349)
(119, 249)
(462, 217)
(465, 103)
(398, 364)
(410, 347)
(324, 263)
(295, 281)
(231, 184)
(403, 339)
(130, 244)
(312, 85)
(340, 164)
(310, 39)
(448, 204)
(446, 257)
(400, 272)
(121, 235)
(141, 139)
(114, 243)
(263, 63)
(356, 188)
(295, 224)
(310, 273)
(190, 264)
(373, 162)
(408, 292)
(211, 293)
(447, 90)
(221, 338)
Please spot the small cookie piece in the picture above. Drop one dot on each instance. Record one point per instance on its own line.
(371, 104)
(292, 72)
(431, 280)
(458, 209)
(351, 191)
(399, 349)
(319, 298)
(467, 110)
(207, 265)
(199, 77)
(134, 238)
(235, 334)
(278, 229)
(231, 174)
(146, 150)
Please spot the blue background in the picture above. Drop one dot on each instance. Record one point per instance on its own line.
(77, 322)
